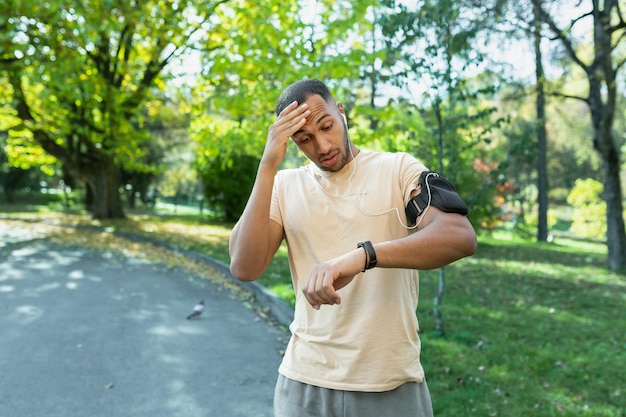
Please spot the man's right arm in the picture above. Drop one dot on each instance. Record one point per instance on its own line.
(256, 238)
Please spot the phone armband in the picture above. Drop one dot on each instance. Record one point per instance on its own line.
(437, 191)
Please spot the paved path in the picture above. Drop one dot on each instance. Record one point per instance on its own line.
(94, 334)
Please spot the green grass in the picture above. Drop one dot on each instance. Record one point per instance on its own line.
(532, 329)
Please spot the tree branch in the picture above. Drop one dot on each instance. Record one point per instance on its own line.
(562, 95)
(101, 57)
(156, 64)
(6, 61)
(579, 18)
(125, 41)
(560, 35)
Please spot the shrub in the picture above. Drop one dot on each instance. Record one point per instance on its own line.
(589, 210)
(228, 182)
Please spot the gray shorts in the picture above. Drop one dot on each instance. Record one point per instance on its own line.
(295, 399)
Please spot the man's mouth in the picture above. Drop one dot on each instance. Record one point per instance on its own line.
(331, 160)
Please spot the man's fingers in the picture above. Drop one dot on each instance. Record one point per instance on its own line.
(288, 108)
(293, 114)
(289, 121)
(325, 290)
(319, 290)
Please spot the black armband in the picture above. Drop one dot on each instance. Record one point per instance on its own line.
(435, 190)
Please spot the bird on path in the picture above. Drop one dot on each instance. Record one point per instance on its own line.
(197, 310)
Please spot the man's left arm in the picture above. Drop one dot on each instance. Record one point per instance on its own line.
(442, 238)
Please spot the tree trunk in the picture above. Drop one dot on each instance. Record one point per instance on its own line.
(103, 180)
(439, 324)
(616, 239)
(542, 176)
(131, 196)
(605, 145)
(602, 102)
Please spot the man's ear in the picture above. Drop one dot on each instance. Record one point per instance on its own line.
(342, 111)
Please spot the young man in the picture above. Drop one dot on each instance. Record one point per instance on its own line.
(354, 257)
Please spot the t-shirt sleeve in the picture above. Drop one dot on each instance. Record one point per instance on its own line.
(275, 211)
(410, 170)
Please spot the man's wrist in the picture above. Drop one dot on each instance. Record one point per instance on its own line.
(268, 167)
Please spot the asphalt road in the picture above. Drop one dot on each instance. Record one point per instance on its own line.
(94, 334)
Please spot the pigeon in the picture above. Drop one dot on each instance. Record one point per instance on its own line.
(197, 311)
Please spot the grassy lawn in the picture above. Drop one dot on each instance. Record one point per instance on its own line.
(531, 329)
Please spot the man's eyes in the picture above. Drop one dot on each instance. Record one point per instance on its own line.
(305, 139)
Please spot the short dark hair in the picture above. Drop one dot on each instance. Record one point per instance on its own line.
(300, 91)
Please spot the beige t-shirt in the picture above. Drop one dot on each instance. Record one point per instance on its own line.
(370, 341)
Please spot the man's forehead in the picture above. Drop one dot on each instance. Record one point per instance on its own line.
(319, 108)
(317, 100)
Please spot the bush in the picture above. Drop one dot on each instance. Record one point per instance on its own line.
(589, 210)
(228, 183)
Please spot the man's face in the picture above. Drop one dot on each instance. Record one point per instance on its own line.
(324, 137)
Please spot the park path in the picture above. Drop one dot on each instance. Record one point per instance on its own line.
(91, 333)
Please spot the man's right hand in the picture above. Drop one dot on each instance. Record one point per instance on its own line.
(288, 122)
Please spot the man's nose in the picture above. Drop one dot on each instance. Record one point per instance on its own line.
(324, 145)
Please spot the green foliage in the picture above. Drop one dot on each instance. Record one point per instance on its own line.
(589, 214)
(24, 152)
(228, 182)
(16, 178)
(17, 146)
(531, 220)
(234, 106)
(180, 180)
(358, 48)
(81, 73)
(245, 75)
(396, 127)
(568, 145)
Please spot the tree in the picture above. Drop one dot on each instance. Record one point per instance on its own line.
(81, 72)
(608, 29)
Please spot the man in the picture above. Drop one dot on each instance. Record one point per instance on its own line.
(355, 349)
